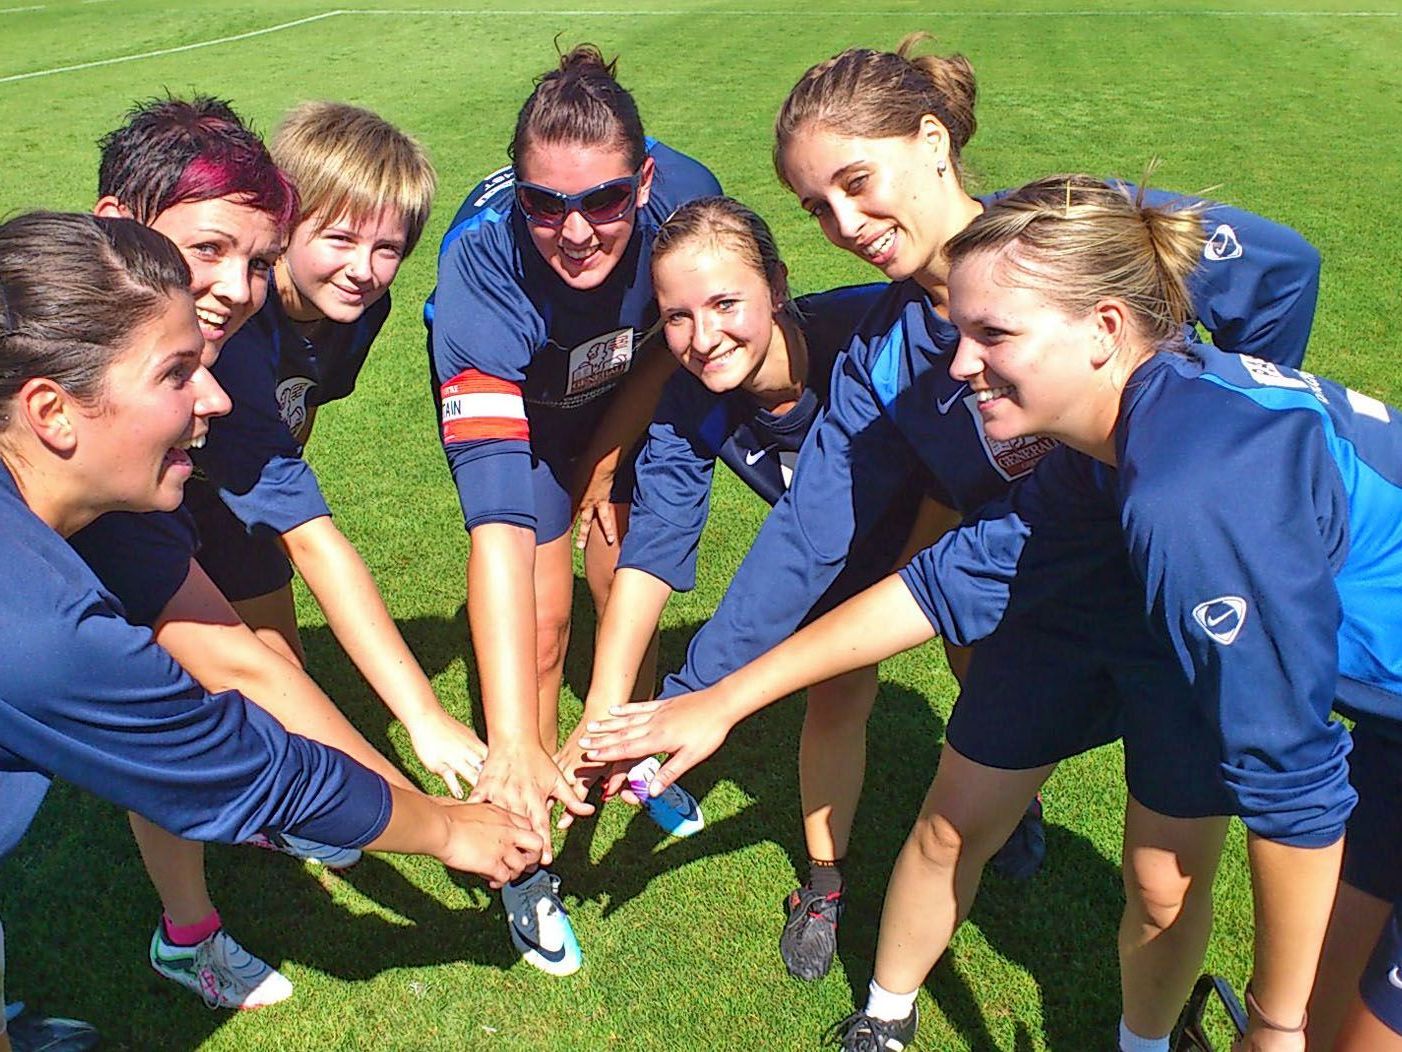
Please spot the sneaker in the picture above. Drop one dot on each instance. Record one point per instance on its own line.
(540, 927)
(675, 810)
(860, 1032)
(35, 1033)
(1022, 856)
(810, 934)
(297, 847)
(220, 970)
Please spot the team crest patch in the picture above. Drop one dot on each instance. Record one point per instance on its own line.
(1012, 458)
(292, 402)
(1222, 618)
(598, 363)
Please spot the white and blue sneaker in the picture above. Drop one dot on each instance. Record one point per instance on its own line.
(299, 847)
(540, 927)
(219, 970)
(675, 810)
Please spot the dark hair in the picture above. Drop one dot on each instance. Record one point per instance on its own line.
(73, 289)
(725, 221)
(581, 103)
(171, 151)
(1078, 239)
(869, 94)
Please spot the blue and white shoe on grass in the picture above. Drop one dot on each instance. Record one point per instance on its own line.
(540, 927)
(675, 810)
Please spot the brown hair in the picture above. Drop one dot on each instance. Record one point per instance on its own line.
(347, 160)
(1079, 239)
(725, 221)
(871, 94)
(581, 103)
(73, 290)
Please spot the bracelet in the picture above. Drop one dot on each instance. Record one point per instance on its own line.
(1266, 1021)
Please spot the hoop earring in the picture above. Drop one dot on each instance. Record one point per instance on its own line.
(941, 168)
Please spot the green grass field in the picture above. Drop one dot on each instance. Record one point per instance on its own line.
(1286, 108)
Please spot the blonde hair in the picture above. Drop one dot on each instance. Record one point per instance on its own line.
(725, 221)
(1079, 240)
(871, 94)
(346, 160)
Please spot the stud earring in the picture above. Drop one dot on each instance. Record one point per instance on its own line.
(941, 168)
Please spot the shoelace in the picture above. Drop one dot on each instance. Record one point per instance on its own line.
(859, 1032)
(212, 968)
(546, 891)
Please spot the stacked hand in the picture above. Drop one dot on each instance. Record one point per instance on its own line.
(689, 728)
(450, 750)
(524, 779)
(489, 841)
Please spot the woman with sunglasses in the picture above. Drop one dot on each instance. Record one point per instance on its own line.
(102, 394)
(544, 384)
(870, 143)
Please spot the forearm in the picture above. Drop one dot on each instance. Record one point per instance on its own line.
(635, 605)
(501, 617)
(1294, 892)
(417, 826)
(202, 632)
(350, 599)
(868, 628)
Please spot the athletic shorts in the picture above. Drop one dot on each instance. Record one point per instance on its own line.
(553, 472)
(1381, 985)
(244, 565)
(1373, 848)
(1044, 687)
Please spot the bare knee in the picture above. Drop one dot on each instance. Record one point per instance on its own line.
(552, 636)
(1160, 897)
(938, 841)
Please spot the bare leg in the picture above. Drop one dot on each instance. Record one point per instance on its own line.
(1362, 1031)
(600, 561)
(1354, 926)
(176, 869)
(832, 756)
(554, 589)
(968, 814)
(273, 618)
(1169, 865)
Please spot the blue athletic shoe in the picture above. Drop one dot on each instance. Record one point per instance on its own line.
(33, 1033)
(540, 927)
(308, 850)
(675, 810)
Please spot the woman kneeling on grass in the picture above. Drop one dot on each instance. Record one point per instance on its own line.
(102, 392)
(1211, 472)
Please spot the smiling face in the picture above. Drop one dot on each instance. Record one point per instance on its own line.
(231, 249)
(156, 402)
(718, 314)
(581, 253)
(337, 270)
(1036, 369)
(881, 199)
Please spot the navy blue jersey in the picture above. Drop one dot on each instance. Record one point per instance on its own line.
(894, 407)
(141, 558)
(87, 697)
(523, 365)
(694, 427)
(1257, 284)
(1261, 509)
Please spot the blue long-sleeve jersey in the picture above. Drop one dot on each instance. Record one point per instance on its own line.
(521, 363)
(87, 697)
(694, 427)
(1261, 509)
(893, 404)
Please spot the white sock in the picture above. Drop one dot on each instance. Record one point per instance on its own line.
(883, 1004)
(1132, 1042)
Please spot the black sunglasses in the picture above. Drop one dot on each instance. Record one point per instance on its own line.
(606, 203)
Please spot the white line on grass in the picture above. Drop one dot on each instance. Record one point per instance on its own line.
(169, 50)
(468, 12)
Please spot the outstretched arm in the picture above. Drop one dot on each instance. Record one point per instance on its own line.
(341, 582)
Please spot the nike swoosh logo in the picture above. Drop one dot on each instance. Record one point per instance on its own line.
(754, 456)
(553, 956)
(1395, 977)
(1213, 622)
(944, 404)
